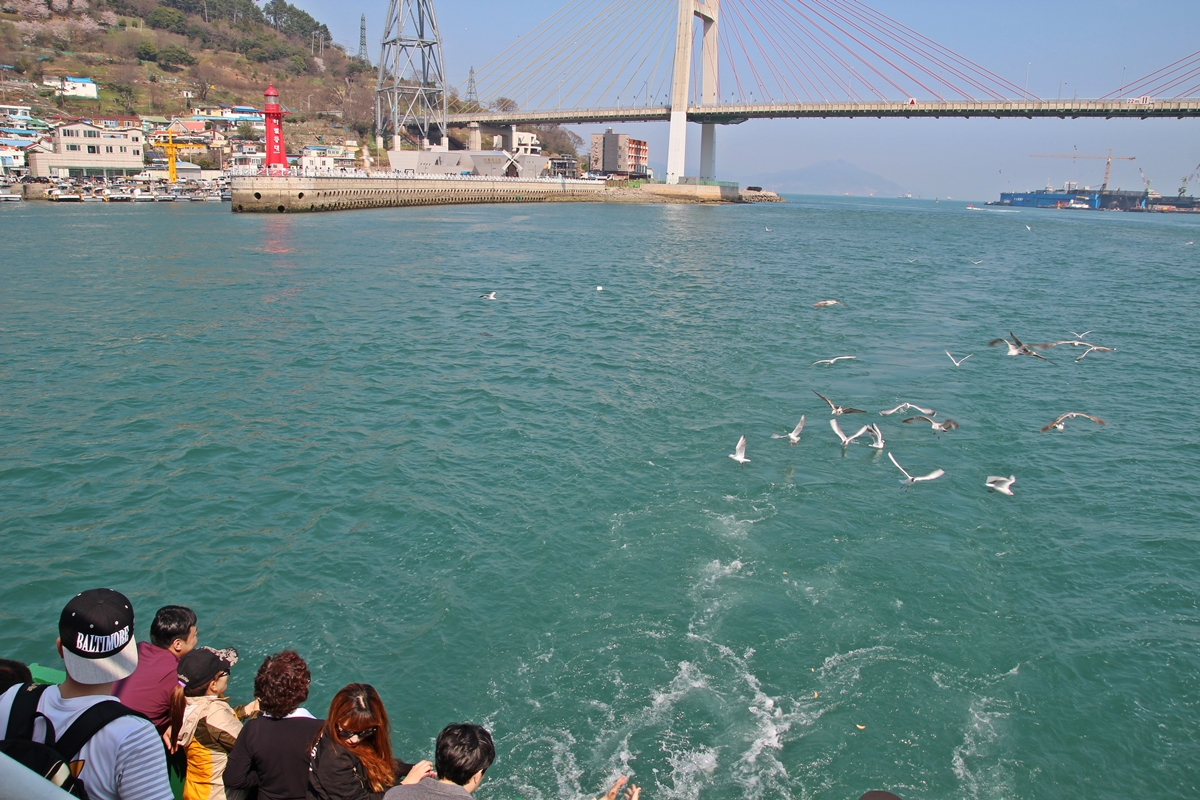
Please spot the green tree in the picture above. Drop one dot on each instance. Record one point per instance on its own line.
(245, 130)
(125, 96)
(174, 55)
(167, 19)
(146, 51)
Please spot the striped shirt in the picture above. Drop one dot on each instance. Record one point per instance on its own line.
(125, 760)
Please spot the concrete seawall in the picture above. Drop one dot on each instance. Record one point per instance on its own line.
(331, 193)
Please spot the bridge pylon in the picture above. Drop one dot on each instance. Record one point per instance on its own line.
(410, 93)
(708, 12)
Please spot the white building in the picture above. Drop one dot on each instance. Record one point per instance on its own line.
(72, 87)
(333, 156)
(84, 150)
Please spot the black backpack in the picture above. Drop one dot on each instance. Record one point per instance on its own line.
(52, 759)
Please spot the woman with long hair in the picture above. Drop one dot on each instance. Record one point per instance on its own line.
(352, 757)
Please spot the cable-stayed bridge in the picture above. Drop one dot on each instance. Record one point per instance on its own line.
(720, 62)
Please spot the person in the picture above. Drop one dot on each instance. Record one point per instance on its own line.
(13, 673)
(202, 723)
(463, 753)
(632, 793)
(148, 690)
(272, 752)
(124, 759)
(352, 757)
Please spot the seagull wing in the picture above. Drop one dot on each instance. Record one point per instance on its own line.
(937, 473)
(838, 430)
(826, 399)
(1080, 335)
(853, 411)
(740, 450)
(919, 419)
(1096, 420)
(861, 431)
(891, 411)
(876, 436)
(1069, 415)
(997, 342)
(897, 463)
(928, 411)
(799, 428)
(840, 358)
(1016, 341)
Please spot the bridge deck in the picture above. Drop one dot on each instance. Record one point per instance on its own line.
(733, 114)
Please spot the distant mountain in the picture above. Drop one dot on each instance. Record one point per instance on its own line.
(828, 177)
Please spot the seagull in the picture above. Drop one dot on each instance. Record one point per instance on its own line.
(906, 407)
(1072, 342)
(794, 436)
(940, 427)
(909, 480)
(912, 261)
(1192, 242)
(1061, 422)
(977, 263)
(1028, 228)
(488, 296)
(831, 360)
(838, 410)
(958, 361)
(996, 483)
(739, 453)
(768, 230)
(824, 303)
(1080, 335)
(1095, 347)
(847, 439)
(1015, 348)
(876, 436)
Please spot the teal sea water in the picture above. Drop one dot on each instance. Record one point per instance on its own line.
(312, 430)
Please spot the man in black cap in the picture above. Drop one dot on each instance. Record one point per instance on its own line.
(124, 759)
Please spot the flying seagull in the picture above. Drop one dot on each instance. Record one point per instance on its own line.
(488, 296)
(940, 427)
(1095, 347)
(909, 480)
(1072, 342)
(847, 439)
(768, 229)
(832, 360)
(958, 361)
(1015, 348)
(977, 263)
(906, 407)
(1080, 335)
(836, 409)
(824, 303)
(1028, 228)
(1061, 422)
(794, 436)
(996, 483)
(739, 453)
(912, 261)
(876, 436)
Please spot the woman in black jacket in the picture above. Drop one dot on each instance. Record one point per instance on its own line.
(271, 754)
(352, 757)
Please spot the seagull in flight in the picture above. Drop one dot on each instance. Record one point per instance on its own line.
(488, 296)
(1015, 348)
(909, 480)
(832, 360)
(836, 409)
(940, 427)
(906, 407)
(996, 483)
(847, 439)
(958, 361)
(977, 263)
(912, 261)
(793, 437)
(1097, 348)
(876, 436)
(1061, 422)
(739, 453)
(825, 303)
(768, 229)
(1080, 335)
(1028, 228)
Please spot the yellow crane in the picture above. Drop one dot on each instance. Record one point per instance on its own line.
(1107, 167)
(172, 150)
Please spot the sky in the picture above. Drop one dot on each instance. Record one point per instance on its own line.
(1076, 47)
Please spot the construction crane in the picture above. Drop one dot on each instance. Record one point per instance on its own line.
(1187, 179)
(172, 150)
(1107, 166)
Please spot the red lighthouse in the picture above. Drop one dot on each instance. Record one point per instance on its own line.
(273, 116)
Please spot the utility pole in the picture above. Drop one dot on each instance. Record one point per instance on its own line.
(362, 39)
(472, 96)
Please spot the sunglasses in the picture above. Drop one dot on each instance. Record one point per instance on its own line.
(354, 737)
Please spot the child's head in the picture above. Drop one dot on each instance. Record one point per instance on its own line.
(464, 752)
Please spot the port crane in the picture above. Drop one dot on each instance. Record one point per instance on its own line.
(172, 150)
(1188, 179)
(1107, 166)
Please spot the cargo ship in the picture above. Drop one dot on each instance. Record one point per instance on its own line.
(1086, 198)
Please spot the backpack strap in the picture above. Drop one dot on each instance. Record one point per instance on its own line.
(90, 723)
(23, 711)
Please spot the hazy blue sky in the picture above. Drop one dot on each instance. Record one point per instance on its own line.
(1085, 43)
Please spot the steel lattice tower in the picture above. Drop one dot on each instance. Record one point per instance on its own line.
(471, 98)
(410, 94)
(362, 39)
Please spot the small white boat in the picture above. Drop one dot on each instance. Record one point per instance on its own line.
(164, 198)
(118, 197)
(5, 197)
(212, 198)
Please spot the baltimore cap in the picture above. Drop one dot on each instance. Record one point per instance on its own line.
(96, 628)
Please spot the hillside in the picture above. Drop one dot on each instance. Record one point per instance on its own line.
(163, 57)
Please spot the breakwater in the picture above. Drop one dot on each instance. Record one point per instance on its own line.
(293, 193)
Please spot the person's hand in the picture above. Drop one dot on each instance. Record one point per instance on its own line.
(633, 792)
(420, 770)
(616, 788)
(251, 708)
(169, 741)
